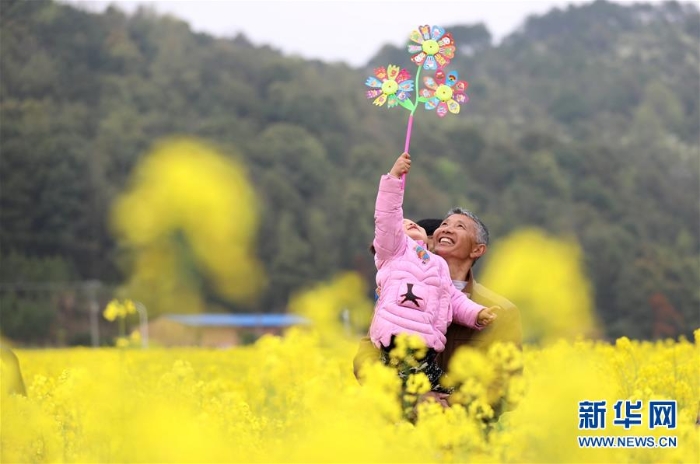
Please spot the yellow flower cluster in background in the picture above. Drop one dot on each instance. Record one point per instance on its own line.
(544, 275)
(189, 215)
(294, 399)
(118, 309)
(336, 308)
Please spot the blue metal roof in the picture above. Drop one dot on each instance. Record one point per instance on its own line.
(237, 320)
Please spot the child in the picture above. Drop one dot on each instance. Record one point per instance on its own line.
(416, 295)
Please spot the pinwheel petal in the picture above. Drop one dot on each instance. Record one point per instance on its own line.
(437, 32)
(406, 86)
(446, 40)
(427, 93)
(380, 100)
(461, 86)
(425, 32)
(402, 95)
(393, 101)
(452, 78)
(453, 107)
(392, 71)
(416, 37)
(413, 48)
(440, 77)
(460, 97)
(448, 52)
(441, 60)
(441, 109)
(430, 82)
(380, 72)
(432, 103)
(419, 58)
(430, 63)
(373, 93)
(373, 82)
(403, 75)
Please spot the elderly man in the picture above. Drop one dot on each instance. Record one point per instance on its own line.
(461, 239)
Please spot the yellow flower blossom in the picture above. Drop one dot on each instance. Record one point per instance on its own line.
(418, 383)
(506, 356)
(555, 300)
(336, 308)
(414, 342)
(116, 309)
(469, 363)
(623, 343)
(129, 307)
(189, 210)
(135, 337)
(112, 311)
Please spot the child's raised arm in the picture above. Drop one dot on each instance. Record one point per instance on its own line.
(389, 236)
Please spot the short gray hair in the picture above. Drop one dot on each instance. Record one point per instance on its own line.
(482, 232)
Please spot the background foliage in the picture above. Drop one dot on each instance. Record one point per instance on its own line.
(584, 123)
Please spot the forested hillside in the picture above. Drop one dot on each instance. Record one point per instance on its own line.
(585, 121)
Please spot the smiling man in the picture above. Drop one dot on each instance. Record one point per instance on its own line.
(461, 239)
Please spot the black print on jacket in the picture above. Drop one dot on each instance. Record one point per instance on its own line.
(409, 296)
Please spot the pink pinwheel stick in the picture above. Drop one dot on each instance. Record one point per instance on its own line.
(406, 145)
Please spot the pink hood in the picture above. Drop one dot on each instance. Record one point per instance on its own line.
(416, 294)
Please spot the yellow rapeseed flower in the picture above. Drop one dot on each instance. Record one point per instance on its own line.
(418, 383)
(112, 311)
(544, 277)
(129, 307)
(189, 210)
(336, 308)
(135, 337)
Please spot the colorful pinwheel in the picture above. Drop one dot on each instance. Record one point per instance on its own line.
(390, 85)
(445, 94)
(432, 48)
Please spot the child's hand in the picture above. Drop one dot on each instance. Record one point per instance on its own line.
(401, 166)
(487, 316)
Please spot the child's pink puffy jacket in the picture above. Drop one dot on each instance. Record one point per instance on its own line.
(416, 294)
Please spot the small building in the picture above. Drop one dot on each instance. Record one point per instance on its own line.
(217, 330)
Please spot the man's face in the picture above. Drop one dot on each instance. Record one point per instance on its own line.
(456, 237)
(414, 231)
